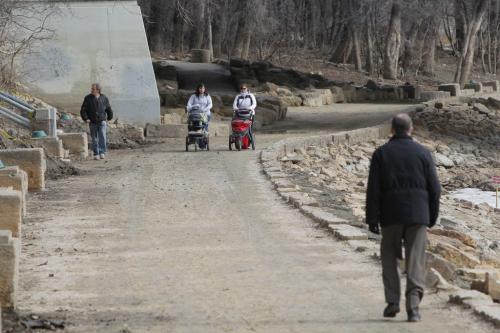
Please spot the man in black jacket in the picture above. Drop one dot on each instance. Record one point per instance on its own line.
(403, 198)
(96, 111)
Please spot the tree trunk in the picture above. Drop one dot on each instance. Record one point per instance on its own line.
(429, 55)
(466, 59)
(198, 29)
(393, 44)
(370, 64)
(357, 50)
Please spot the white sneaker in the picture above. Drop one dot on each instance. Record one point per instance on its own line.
(96, 157)
(102, 156)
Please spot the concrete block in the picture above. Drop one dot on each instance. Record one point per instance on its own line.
(52, 146)
(45, 120)
(495, 85)
(452, 88)
(324, 218)
(432, 95)
(17, 179)
(30, 160)
(134, 133)
(468, 92)
(9, 268)
(76, 143)
(166, 131)
(476, 86)
(11, 206)
(347, 232)
(409, 91)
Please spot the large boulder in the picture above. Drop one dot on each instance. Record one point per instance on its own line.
(311, 98)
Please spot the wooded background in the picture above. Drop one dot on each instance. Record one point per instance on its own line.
(382, 37)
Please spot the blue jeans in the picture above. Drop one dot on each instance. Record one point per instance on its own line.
(98, 136)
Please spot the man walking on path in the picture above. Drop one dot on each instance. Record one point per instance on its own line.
(403, 198)
(96, 111)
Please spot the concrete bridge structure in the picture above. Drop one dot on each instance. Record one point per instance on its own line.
(95, 41)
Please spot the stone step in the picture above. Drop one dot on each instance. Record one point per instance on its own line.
(347, 232)
(321, 216)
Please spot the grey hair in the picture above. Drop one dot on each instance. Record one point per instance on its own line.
(402, 123)
(97, 86)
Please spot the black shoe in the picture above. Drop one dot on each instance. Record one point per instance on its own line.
(391, 310)
(413, 316)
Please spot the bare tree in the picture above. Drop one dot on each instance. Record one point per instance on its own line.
(22, 25)
(393, 44)
(466, 58)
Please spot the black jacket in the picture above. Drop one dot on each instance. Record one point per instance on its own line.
(403, 187)
(96, 109)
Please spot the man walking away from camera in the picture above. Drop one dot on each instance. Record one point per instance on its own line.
(403, 198)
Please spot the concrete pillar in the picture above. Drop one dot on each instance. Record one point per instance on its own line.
(17, 179)
(30, 160)
(45, 120)
(9, 268)
(11, 206)
(76, 143)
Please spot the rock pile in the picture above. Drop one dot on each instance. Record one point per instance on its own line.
(464, 245)
(477, 121)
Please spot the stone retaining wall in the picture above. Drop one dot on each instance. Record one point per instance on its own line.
(353, 232)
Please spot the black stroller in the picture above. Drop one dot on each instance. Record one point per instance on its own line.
(197, 132)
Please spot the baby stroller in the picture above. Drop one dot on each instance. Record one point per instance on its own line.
(197, 133)
(241, 130)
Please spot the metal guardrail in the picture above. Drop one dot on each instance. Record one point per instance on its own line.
(16, 102)
(15, 117)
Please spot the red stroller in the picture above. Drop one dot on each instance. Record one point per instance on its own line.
(241, 130)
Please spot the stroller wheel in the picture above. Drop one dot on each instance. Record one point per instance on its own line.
(237, 143)
(196, 146)
(230, 144)
(208, 144)
(187, 143)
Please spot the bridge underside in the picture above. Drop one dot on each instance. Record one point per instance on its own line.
(97, 41)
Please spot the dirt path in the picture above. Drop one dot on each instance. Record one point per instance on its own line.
(159, 240)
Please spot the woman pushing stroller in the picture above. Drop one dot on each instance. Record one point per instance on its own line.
(200, 102)
(245, 101)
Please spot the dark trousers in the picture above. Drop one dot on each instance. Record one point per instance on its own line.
(414, 239)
